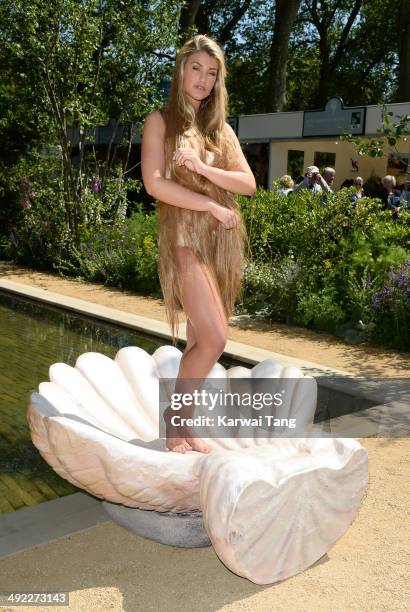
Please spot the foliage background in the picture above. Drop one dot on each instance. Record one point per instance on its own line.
(68, 67)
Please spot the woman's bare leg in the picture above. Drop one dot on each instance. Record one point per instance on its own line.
(174, 440)
(207, 331)
(190, 336)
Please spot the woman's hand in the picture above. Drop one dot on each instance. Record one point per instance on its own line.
(229, 218)
(185, 156)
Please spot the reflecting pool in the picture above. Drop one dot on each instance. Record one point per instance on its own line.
(32, 337)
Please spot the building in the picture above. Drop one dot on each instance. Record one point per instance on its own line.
(286, 143)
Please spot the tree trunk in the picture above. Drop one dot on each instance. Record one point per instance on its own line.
(403, 31)
(285, 15)
(328, 64)
(188, 18)
(236, 15)
(321, 94)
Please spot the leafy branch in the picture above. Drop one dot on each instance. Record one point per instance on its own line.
(390, 133)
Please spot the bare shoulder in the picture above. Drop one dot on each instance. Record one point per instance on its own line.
(228, 127)
(154, 121)
(242, 163)
(230, 134)
(228, 130)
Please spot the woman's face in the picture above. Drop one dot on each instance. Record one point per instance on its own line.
(200, 73)
(388, 184)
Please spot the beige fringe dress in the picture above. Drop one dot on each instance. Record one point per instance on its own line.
(221, 250)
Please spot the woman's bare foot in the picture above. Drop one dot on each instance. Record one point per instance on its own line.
(199, 445)
(174, 439)
(196, 443)
(179, 443)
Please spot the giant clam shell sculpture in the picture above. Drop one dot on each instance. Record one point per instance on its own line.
(271, 506)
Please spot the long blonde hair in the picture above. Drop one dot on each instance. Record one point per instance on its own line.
(221, 250)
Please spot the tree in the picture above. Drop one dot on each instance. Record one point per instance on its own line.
(83, 63)
(403, 29)
(361, 70)
(217, 18)
(187, 20)
(247, 52)
(323, 18)
(285, 15)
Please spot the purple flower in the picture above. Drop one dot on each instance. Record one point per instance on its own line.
(25, 204)
(44, 224)
(380, 297)
(396, 293)
(400, 280)
(31, 194)
(95, 184)
(24, 183)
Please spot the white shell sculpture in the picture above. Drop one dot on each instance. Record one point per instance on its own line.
(271, 506)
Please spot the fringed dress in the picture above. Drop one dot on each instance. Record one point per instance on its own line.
(221, 250)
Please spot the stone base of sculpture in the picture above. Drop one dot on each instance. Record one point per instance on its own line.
(183, 529)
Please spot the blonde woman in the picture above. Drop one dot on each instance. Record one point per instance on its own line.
(285, 184)
(192, 163)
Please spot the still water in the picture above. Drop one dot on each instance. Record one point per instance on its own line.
(32, 337)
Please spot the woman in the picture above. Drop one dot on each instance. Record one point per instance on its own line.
(192, 163)
(358, 185)
(285, 185)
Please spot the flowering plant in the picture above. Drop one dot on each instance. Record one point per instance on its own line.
(390, 307)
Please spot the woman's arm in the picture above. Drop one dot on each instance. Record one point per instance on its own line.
(153, 170)
(167, 190)
(238, 180)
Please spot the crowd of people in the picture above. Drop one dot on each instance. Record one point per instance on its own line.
(392, 198)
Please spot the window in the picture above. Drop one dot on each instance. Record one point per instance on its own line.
(296, 160)
(322, 160)
(257, 155)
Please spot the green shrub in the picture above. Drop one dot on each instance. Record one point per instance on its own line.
(123, 256)
(390, 307)
(40, 234)
(346, 254)
(270, 289)
(320, 310)
(37, 234)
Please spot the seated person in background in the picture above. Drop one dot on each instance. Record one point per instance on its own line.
(358, 184)
(285, 184)
(390, 196)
